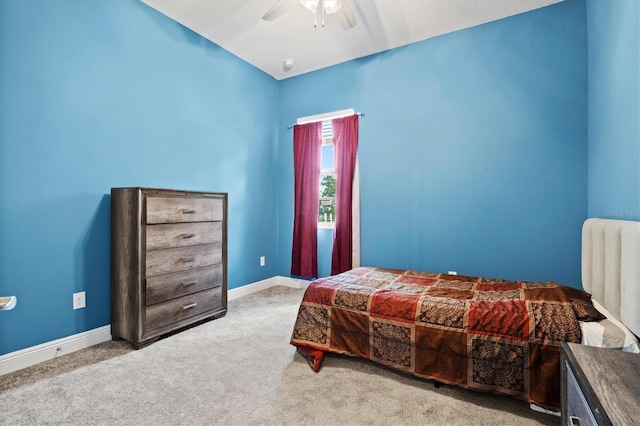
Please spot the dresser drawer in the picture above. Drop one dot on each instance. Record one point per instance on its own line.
(170, 286)
(182, 258)
(578, 411)
(165, 313)
(183, 234)
(180, 209)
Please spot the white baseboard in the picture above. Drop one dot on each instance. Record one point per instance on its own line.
(293, 282)
(234, 293)
(36, 354)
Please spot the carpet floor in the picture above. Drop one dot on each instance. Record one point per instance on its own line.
(239, 370)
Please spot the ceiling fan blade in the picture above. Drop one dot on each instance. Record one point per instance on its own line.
(345, 15)
(279, 9)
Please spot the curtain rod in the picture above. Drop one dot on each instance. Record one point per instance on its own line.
(290, 126)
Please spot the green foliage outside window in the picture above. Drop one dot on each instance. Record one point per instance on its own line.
(329, 186)
(327, 210)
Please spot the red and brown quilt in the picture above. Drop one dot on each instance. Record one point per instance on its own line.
(489, 335)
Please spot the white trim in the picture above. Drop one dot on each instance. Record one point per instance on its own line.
(36, 354)
(325, 116)
(355, 217)
(245, 290)
(293, 282)
(326, 225)
(27, 357)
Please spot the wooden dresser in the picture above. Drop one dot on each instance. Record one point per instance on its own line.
(168, 261)
(599, 386)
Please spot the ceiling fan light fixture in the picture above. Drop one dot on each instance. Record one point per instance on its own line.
(312, 5)
(339, 8)
(331, 6)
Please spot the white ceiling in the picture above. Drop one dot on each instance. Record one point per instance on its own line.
(236, 25)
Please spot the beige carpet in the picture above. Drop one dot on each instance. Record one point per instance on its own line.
(239, 370)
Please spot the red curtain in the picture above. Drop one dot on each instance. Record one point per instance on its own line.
(345, 142)
(307, 149)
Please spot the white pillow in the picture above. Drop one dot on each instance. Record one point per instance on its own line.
(608, 333)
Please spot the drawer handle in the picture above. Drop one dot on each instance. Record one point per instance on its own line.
(192, 282)
(188, 211)
(187, 259)
(185, 236)
(574, 421)
(189, 306)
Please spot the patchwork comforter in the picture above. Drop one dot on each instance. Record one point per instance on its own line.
(489, 335)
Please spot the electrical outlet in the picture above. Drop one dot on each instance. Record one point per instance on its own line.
(453, 273)
(79, 300)
(263, 260)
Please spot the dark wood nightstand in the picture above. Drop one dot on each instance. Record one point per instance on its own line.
(599, 386)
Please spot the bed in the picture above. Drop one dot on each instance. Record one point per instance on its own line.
(482, 334)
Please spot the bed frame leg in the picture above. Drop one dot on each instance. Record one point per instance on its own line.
(437, 384)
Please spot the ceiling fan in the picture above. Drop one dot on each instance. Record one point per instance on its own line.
(341, 9)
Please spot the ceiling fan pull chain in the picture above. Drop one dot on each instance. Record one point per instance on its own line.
(321, 6)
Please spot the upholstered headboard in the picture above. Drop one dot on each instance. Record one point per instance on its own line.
(611, 267)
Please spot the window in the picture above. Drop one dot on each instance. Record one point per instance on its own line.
(327, 196)
(316, 168)
(328, 178)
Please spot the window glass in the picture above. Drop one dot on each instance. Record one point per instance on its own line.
(327, 207)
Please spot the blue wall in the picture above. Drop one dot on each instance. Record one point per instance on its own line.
(614, 108)
(100, 94)
(473, 151)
